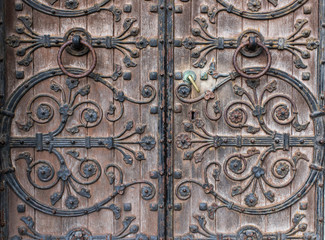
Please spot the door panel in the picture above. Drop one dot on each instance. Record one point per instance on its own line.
(84, 150)
(236, 139)
(179, 119)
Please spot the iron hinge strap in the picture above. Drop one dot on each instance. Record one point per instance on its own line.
(317, 114)
(7, 113)
(316, 167)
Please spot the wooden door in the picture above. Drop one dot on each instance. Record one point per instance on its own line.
(162, 119)
(88, 147)
(249, 148)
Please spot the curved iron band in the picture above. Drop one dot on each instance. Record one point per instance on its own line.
(263, 15)
(85, 74)
(29, 84)
(252, 76)
(64, 13)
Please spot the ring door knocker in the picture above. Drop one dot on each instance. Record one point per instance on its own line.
(252, 43)
(77, 42)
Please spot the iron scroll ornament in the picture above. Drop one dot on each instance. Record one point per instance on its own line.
(231, 9)
(127, 231)
(298, 231)
(227, 7)
(35, 4)
(209, 43)
(48, 142)
(277, 141)
(122, 42)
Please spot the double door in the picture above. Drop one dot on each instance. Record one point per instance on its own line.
(154, 119)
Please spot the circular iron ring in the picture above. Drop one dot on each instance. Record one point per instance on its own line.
(251, 76)
(93, 53)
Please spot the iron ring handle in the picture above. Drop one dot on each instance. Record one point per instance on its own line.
(251, 76)
(85, 74)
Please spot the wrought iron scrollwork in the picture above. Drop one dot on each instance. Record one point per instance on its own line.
(29, 232)
(92, 113)
(64, 102)
(210, 43)
(236, 116)
(248, 170)
(72, 8)
(122, 42)
(235, 168)
(89, 170)
(253, 6)
(297, 231)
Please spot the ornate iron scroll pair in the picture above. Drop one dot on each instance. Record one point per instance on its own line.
(239, 167)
